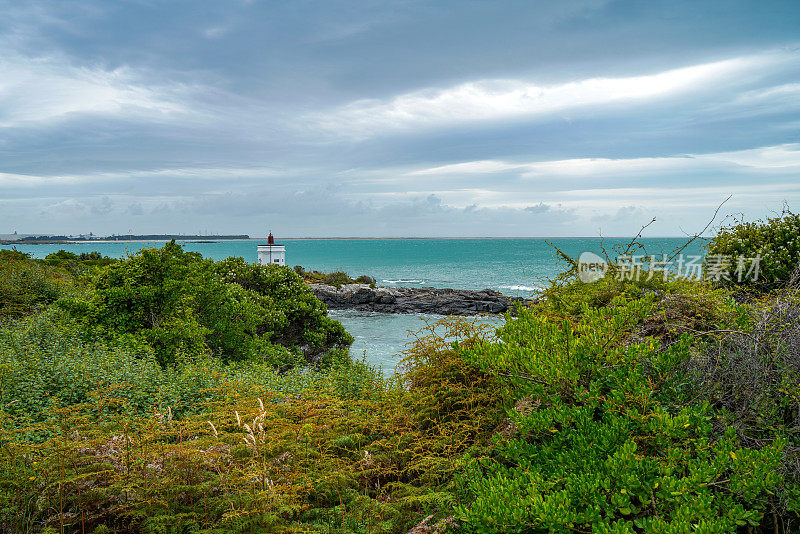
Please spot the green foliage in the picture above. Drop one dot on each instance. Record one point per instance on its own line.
(46, 362)
(337, 278)
(13, 254)
(679, 305)
(160, 397)
(82, 263)
(117, 441)
(605, 437)
(181, 304)
(155, 296)
(572, 419)
(295, 317)
(26, 286)
(775, 240)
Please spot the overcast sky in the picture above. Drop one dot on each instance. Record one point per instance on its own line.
(557, 118)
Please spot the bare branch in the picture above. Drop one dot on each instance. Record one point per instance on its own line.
(637, 236)
(700, 233)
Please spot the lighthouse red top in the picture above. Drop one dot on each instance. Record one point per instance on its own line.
(270, 239)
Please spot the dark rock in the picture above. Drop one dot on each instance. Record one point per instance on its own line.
(362, 297)
(426, 526)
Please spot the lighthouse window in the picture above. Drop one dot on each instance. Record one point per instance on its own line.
(277, 261)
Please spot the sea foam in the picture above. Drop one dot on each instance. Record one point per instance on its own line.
(521, 288)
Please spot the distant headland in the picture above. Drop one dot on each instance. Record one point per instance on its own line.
(13, 239)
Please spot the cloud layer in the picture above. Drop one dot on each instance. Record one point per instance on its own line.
(40, 91)
(394, 119)
(513, 99)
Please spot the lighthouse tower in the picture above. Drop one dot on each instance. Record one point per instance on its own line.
(271, 253)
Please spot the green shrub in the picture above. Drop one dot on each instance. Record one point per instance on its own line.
(83, 263)
(179, 303)
(47, 362)
(679, 306)
(116, 440)
(604, 437)
(338, 279)
(13, 254)
(776, 241)
(26, 286)
(296, 318)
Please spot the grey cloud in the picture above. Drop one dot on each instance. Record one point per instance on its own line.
(184, 119)
(538, 208)
(626, 214)
(101, 207)
(135, 209)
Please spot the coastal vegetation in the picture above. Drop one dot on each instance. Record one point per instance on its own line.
(167, 393)
(336, 278)
(775, 241)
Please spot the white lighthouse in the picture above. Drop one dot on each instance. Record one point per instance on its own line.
(271, 253)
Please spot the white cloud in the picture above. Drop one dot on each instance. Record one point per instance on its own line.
(216, 32)
(776, 158)
(784, 93)
(200, 173)
(498, 99)
(42, 90)
(773, 157)
(486, 166)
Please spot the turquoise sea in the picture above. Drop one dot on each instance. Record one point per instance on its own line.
(512, 266)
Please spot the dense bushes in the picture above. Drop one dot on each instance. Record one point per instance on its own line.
(132, 447)
(606, 437)
(578, 417)
(27, 286)
(104, 464)
(661, 406)
(643, 405)
(46, 363)
(78, 263)
(776, 241)
(336, 278)
(181, 304)
(296, 317)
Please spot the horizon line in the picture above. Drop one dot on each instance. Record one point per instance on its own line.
(196, 237)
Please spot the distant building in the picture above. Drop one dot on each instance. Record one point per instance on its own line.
(271, 253)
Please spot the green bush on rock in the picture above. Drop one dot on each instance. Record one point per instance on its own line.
(296, 317)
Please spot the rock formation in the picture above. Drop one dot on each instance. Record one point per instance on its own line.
(362, 297)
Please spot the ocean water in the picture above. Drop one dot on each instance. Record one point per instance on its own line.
(515, 267)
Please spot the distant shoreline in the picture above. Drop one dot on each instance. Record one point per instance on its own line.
(131, 238)
(471, 237)
(215, 239)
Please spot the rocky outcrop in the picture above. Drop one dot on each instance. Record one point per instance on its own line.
(427, 526)
(414, 299)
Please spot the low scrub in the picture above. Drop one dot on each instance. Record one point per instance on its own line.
(237, 448)
(622, 406)
(179, 303)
